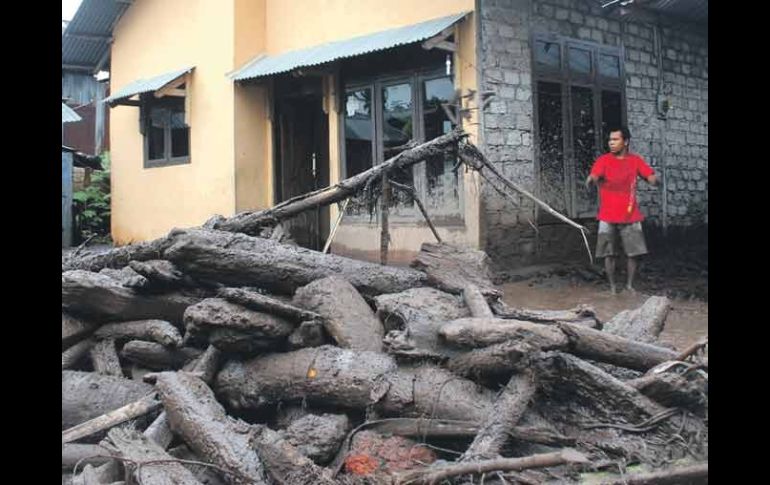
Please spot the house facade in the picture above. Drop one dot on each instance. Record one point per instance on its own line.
(228, 106)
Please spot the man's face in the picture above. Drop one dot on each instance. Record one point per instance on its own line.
(617, 143)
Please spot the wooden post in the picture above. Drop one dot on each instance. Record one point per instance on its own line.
(385, 232)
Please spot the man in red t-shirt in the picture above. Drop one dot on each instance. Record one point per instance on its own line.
(615, 173)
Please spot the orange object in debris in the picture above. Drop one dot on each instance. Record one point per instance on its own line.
(311, 373)
(361, 464)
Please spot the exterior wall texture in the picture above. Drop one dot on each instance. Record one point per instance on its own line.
(677, 146)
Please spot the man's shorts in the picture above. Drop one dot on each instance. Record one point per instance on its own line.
(631, 235)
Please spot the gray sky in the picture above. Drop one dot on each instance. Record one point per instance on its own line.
(68, 8)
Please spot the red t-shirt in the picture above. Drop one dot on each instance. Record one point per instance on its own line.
(617, 186)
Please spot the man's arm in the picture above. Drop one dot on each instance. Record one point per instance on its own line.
(652, 179)
(592, 178)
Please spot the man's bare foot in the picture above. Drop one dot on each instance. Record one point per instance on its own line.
(630, 289)
(613, 290)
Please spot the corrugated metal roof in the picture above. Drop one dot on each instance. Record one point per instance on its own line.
(94, 19)
(690, 10)
(147, 85)
(68, 114)
(332, 51)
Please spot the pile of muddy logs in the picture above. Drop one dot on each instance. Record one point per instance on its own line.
(227, 358)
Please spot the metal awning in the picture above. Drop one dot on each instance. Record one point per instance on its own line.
(356, 46)
(85, 43)
(147, 85)
(68, 115)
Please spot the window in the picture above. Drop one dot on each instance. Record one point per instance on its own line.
(387, 112)
(166, 133)
(578, 97)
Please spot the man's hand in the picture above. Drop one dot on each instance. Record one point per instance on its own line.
(590, 179)
(652, 180)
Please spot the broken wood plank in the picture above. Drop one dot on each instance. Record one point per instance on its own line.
(104, 357)
(503, 416)
(148, 462)
(347, 317)
(265, 303)
(436, 474)
(451, 268)
(71, 356)
(240, 260)
(195, 415)
(157, 357)
(100, 423)
(101, 297)
(159, 331)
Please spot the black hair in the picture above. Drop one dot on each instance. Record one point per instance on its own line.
(623, 131)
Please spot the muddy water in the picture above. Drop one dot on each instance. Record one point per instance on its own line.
(687, 321)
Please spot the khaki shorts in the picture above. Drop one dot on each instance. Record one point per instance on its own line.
(631, 235)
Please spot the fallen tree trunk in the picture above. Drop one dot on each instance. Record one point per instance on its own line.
(99, 296)
(346, 315)
(451, 269)
(284, 463)
(671, 390)
(113, 418)
(496, 361)
(234, 327)
(580, 315)
(195, 415)
(326, 375)
(71, 356)
(142, 452)
(505, 413)
(104, 357)
(159, 331)
(643, 324)
(691, 475)
(157, 357)
(202, 473)
(603, 347)
(161, 274)
(436, 474)
(317, 437)
(86, 395)
(239, 260)
(74, 329)
(481, 332)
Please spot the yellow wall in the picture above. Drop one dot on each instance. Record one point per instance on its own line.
(152, 38)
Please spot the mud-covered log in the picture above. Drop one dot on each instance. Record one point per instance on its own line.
(347, 317)
(202, 473)
(326, 375)
(141, 451)
(86, 395)
(436, 474)
(593, 344)
(503, 416)
(416, 316)
(113, 418)
(240, 260)
(157, 357)
(104, 357)
(580, 315)
(481, 332)
(451, 268)
(476, 302)
(493, 362)
(643, 324)
(268, 304)
(118, 257)
(161, 274)
(159, 331)
(126, 277)
(234, 324)
(74, 453)
(74, 329)
(318, 437)
(197, 417)
(101, 297)
(435, 392)
(71, 356)
(284, 463)
(689, 475)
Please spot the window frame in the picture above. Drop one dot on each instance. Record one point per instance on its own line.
(567, 80)
(147, 102)
(415, 78)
